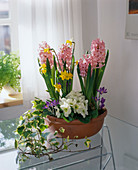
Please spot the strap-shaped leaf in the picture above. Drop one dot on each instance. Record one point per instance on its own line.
(64, 64)
(80, 79)
(53, 75)
(38, 62)
(51, 89)
(64, 88)
(99, 75)
(48, 68)
(72, 64)
(55, 64)
(91, 85)
(88, 79)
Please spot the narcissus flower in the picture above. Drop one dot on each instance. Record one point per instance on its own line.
(43, 68)
(47, 50)
(76, 63)
(69, 76)
(57, 87)
(63, 75)
(66, 76)
(69, 42)
(66, 109)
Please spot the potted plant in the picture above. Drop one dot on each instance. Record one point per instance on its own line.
(73, 110)
(10, 72)
(67, 114)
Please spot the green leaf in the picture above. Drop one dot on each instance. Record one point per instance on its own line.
(16, 144)
(94, 113)
(29, 125)
(88, 80)
(33, 134)
(34, 123)
(38, 151)
(84, 120)
(52, 140)
(21, 118)
(56, 132)
(43, 127)
(29, 145)
(100, 73)
(41, 121)
(65, 146)
(91, 86)
(80, 79)
(39, 107)
(64, 64)
(62, 130)
(87, 143)
(42, 140)
(26, 133)
(53, 75)
(20, 129)
(51, 88)
(69, 119)
(44, 135)
(72, 64)
(56, 143)
(67, 138)
(46, 112)
(37, 112)
(55, 64)
(48, 68)
(23, 121)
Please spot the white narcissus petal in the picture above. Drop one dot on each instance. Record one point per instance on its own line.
(76, 101)
(66, 109)
(57, 112)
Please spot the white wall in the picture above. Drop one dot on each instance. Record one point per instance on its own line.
(121, 80)
(121, 77)
(89, 22)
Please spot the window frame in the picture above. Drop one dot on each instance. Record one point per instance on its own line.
(12, 22)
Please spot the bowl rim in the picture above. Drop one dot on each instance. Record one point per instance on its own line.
(55, 120)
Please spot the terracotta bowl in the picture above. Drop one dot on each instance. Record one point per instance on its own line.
(75, 128)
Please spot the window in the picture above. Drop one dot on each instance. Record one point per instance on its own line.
(9, 42)
(8, 26)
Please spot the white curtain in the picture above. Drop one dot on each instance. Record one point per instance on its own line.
(53, 21)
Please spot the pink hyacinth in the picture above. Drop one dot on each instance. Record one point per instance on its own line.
(83, 67)
(98, 51)
(44, 53)
(65, 54)
(96, 58)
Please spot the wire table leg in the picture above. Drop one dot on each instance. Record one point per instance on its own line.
(109, 136)
(101, 148)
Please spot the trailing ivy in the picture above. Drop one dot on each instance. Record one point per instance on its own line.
(33, 135)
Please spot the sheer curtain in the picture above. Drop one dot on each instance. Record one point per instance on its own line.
(53, 21)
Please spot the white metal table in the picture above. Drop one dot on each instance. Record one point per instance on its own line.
(102, 166)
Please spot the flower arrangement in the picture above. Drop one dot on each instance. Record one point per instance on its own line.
(57, 70)
(64, 103)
